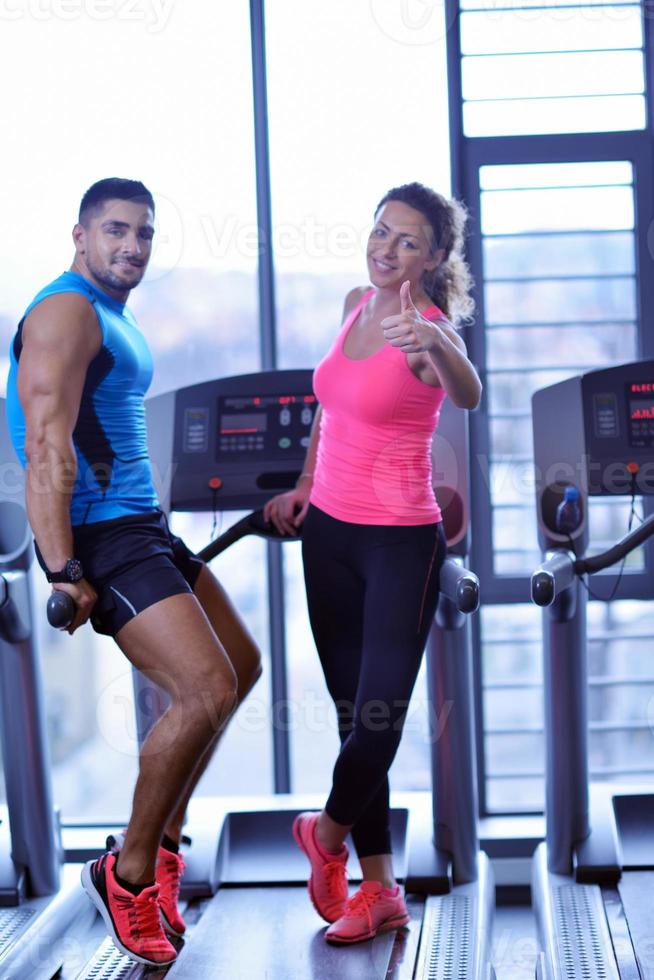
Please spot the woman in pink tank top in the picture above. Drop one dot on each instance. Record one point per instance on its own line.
(372, 537)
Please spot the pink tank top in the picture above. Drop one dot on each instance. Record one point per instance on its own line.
(374, 453)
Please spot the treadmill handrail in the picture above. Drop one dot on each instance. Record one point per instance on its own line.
(631, 541)
(459, 585)
(14, 615)
(553, 576)
(558, 571)
(253, 523)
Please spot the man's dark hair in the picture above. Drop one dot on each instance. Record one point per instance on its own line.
(111, 189)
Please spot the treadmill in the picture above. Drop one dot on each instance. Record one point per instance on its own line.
(230, 444)
(40, 902)
(593, 877)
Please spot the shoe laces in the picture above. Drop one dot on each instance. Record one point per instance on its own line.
(172, 868)
(360, 904)
(142, 912)
(335, 879)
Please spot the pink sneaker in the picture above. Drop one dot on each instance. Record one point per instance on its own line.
(169, 872)
(133, 921)
(371, 910)
(168, 875)
(328, 882)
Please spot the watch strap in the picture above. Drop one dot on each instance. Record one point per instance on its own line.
(71, 572)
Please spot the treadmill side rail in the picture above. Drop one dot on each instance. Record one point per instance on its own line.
(457, 930)
(37, 951)
(572, 927)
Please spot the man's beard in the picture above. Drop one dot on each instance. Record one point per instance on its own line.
(109, 279)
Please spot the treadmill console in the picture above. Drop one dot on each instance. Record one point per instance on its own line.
(263, 425)
(618, 409)
(233, 442)
(594, 431)
(640, 414)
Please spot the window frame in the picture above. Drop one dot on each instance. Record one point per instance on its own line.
(468, 154)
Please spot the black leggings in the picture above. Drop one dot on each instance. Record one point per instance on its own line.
(372, 594)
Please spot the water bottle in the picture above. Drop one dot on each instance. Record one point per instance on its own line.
(568, 513)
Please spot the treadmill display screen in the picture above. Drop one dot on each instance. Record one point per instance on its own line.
(266, 426)
(240, 424)
(640, 407)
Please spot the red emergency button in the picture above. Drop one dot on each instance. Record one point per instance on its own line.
(215, 483)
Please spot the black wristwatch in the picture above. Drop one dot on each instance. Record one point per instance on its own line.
(71, 572)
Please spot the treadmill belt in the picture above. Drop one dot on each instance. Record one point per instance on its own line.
(274, 933)
(637, 893)
(620, 936)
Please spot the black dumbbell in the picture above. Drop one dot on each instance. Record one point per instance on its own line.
(61, 610)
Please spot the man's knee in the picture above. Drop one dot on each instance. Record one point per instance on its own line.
(222, 690)
(211, 698)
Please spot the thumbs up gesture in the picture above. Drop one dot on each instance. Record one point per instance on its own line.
(409, 330)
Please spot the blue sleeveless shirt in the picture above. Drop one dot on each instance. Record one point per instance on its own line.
(114, 478)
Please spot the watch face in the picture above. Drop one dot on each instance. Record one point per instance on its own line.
(74, 570)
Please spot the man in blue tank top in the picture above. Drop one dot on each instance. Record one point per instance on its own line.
(79, 372)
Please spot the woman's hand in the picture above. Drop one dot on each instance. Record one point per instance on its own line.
(409, 330)
(287, 510)
(446, 357)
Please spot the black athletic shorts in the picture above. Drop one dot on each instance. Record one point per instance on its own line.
(132, 562)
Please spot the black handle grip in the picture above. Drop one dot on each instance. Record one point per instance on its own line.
(467, 595)
(253, 523)
(542, 588)
(61, 610)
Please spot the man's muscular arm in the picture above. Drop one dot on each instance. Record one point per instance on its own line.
(61, 336)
